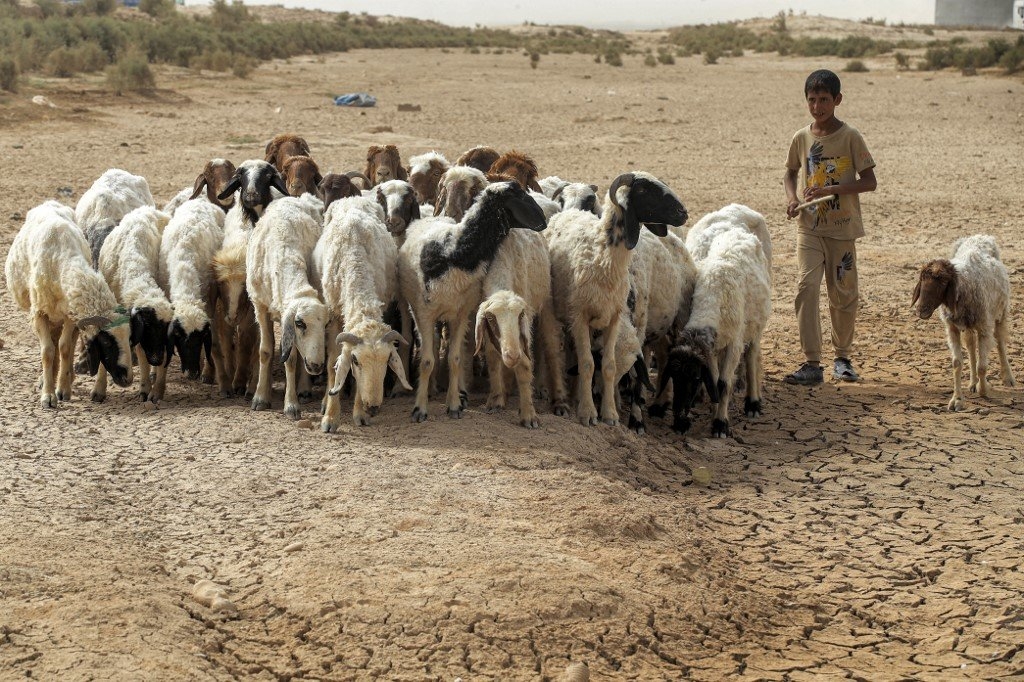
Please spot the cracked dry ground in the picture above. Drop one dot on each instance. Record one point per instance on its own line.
(856, 531)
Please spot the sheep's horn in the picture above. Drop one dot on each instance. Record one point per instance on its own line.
(558, 192)
(346, 337)
(394, 335)
(356, 174)
(624, 179)
(95, 321)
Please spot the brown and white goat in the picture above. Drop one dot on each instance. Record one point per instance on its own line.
(972, 293)
(481, 158)
(334, 186)
(425, 173)
(383, 164)
(458, 189)
(301, 175)
(214, 179)
(284, 146)
(519, 166)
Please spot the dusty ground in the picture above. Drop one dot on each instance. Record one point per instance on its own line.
(856, 531)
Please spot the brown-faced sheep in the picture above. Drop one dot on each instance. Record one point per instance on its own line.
(519, 166)
(458, 188)
(383, 164)
(481, 158)
(283, 146)
(425, 173)
(301, 175)
(334, 186)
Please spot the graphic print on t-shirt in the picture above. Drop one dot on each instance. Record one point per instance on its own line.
(824, 172)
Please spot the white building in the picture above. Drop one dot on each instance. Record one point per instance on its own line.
(993, 13)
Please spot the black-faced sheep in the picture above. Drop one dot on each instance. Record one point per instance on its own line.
(253, 180)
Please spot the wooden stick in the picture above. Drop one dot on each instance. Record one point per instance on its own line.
(815, 202)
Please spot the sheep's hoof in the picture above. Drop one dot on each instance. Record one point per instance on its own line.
(658, 410)
(240, 392)
(98, 397)
(681, 424)
(361, 419)
(419, 415)
(530, 422)
(305, 396)
(329, 425)
(62, 395)
(751, 408)
(293, 411)
(610, 422)
(586, 416)
(464, 399)
(226, 393)
(454, 412)
(637, 425)
(493, 406)
(144, 396)
(1009, 381)
(207, 380)
(259, 405)
(956, 404)
(48, 401)
(719, 428)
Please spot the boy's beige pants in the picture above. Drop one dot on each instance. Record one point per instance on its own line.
(836, 261)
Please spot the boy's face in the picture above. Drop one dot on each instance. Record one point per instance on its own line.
(822, 105)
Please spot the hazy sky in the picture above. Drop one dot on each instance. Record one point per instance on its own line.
(616, 13)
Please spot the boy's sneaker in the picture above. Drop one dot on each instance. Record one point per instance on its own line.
(842, 369)
(807, 375)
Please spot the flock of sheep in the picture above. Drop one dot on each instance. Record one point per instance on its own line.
(556, 284)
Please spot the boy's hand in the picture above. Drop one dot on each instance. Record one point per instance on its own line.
(791, 211)
(812, 193)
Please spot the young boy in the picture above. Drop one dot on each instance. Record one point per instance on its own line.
(836, 163)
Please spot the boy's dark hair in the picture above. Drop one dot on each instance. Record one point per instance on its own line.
(822, 79)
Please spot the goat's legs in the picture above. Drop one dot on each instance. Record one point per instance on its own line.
(99, 389)
(146, 388)
(223, 352)
(64, 362)
(427, 361)
(47, 351)
(496, 376)
(586, 412)
(1002, 331)
(551, 347)
(956, 403)
(726, 375)
(983, 340)
(752, 404)
(524, 378)
(291, 396)
(971, 341)
(261, 401)
(331, 405)
(609, 373)
(456, 346)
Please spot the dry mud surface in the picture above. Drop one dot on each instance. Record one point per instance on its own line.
(855, 531)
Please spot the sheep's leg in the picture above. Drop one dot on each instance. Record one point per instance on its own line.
(304, 383)
(248, 355)
(726, 380)
(64, 362)
(609, 373)
(971, 341)
(99, 389)
(291, 397)
(524, 378)
(659, 405)
(456, 345)
(1002, 332)
(550, 335)
(333, 351)
(586, 412)
(752, 404)
(425, 329)
(47, 351)
(984, 348)
(223, 353)
(956, 403)
(360, 417)
(404, 352)
(159, 385)
(496, 376)
(147, 383)
(261, 400)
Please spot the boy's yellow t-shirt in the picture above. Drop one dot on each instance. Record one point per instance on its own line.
(830, 160)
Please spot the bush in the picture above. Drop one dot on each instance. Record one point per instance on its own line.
(649, 60)
(243, 66)
(666, 58)
(157, 8)
(99, 7)
(612, 58)
(711, 56)
(856, 66)
(131, 73)
(534, 59)
(8, 75)
(902, 61)
(62, 63)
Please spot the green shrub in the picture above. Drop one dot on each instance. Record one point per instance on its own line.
(157, 8)
(131, 73)
(666, 57)
(534, 59)
(711, 56)
(8, 75)
(99, 7)
(612, 58)
(650, 60)
(62, 63)
(902, 61)
(243, 66)
(855, 66)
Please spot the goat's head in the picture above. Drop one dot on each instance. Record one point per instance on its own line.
(480, 158)
(149, 332)
(108, 343)
(459, 188)
(283, 146)
(254, 180)
(301, 175)
(216, 176)
(229, 275)
(398, 199)
(368, 354)
(303, 326)
(334, 187)
(383, 164)
(936, 285)
(519, 166)
(641, 198)
(690, 366)
(505, 319)
(425, 173)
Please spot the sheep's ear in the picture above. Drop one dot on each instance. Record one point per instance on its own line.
(663, 378)
(200, 184)
(395, 363)
(414, 212)
(95, 356)
(403, 173)
(287, 335)
(479, 333)
(950, 298)
(208, 343)
(136, 328)
(170, 344)
(232, 187)
(660, 229)
(341, 370)
(630, 226)
(642, 373)
(709, 383)
(277, 182)
(917, 293)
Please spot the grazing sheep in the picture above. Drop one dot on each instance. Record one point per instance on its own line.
(130, 262)
(972, 292)
(334, 187)
(383, 164)
(698, 239)
(282, 147)
(590, 259)
(440, 269)
(480, 158)
(235, 319)
(214, 179)
(301, 176)
(278, 262)
(253, 180)
(425, 173)
(110, 198)
(50, 275)
(731, 305)
(518, 166)
(187, 247)
(458, 189)
(516, 291)
(355, 267)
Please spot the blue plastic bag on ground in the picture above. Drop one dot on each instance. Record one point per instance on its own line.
(356, 99)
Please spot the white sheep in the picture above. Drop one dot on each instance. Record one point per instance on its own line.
(355, 267)
(50, 275)
(187, 247)
(577, 195)
(972, 292)
(516, 291)
(130, 262)
(440, 269)
(278, 268)
(698, 239)
(731, 305)
(110, 198)
(590, 259)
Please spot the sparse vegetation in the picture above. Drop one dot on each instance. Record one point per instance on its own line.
(131, 73)
(856, 66)
(711, 56)
(8, 75)
(650, 60)
(902, 61)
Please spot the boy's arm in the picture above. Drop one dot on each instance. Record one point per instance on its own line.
(789, 182)
(865, 182)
